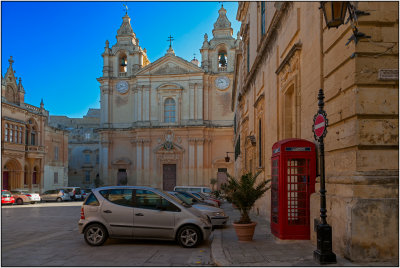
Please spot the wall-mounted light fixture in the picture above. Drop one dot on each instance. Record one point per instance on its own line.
(227, 158)
(335, 13)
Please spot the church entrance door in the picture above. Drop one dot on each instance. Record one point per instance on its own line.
(169, 177)
(221, 177)
(122, 177)
(5, 180)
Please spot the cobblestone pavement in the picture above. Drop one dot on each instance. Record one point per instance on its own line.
(47, 235)
(265, 249)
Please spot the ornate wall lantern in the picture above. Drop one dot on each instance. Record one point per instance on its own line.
(227, 158)
(334, 12)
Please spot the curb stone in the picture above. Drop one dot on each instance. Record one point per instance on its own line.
(217, 251)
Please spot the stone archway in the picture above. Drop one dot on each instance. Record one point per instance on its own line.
(12, 175)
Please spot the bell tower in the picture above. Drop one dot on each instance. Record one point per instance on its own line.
(218, 53)
(120, 64)
(126, 57)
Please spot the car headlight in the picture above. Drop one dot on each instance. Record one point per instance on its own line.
(219, 213)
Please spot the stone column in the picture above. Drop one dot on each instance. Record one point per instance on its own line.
(139, 161)
(200, 101)
(104, 176)
(200, 157)
(191, 174)
(140, 104)
(146, 163)
(191, 101)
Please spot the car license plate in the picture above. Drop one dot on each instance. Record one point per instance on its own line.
(7, 199)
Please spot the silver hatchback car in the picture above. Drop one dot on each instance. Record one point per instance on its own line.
(137, 212)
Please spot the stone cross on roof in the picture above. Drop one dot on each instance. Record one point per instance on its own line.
(170, 39)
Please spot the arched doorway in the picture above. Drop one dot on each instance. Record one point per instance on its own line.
(12, 175)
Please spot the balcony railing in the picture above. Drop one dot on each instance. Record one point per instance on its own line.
(32, 108)
(124, 74)
(222, 69)
(34, 149)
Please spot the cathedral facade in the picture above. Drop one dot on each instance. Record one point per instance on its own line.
(168, 122)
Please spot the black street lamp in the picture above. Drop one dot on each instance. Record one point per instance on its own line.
(227, 158)
(323, 254)
(335, 13)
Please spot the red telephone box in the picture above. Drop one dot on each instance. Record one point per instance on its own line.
(292, 182)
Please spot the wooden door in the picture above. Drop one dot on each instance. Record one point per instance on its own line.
(122, 178)
(169, 177)
(5, 180)
(221, 177)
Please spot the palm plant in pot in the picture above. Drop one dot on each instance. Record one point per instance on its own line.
(243, 193)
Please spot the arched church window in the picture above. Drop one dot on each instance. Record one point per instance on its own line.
(169, 110)
(222, 60)
(123, 63)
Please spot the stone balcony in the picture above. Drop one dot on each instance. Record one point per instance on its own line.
(222, 69)
(34, 148)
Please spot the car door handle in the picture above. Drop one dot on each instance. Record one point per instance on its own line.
(139, 214)
(107, 211)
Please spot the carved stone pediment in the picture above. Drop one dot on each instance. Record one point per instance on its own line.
(121, 161)
(169, 64)
(170, 68)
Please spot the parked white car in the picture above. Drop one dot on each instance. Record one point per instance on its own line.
(201, 189)
(24, 196)
(74, 193)
(217, 215)
(58, 195)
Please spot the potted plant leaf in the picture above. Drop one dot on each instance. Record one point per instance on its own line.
(243, 193)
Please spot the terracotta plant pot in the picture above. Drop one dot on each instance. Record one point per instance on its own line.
(245, 232)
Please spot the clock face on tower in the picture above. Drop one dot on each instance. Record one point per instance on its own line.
(122, 87)
(222, 82)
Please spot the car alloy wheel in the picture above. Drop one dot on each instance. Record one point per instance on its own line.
(95, 235)
(189, 236)
(59, 199)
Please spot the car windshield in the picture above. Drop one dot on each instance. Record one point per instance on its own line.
(176, 199)
(197, 194)
(185, 199)
(5, 193)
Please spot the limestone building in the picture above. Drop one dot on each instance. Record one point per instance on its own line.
(33, 154)
(168, 122)
(286, 55)
(83, 148)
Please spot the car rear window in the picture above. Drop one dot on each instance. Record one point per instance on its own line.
(91, 200)
(206, 190)
(77, 191)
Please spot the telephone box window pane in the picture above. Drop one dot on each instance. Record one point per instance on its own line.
(297, 179)
(275, 190)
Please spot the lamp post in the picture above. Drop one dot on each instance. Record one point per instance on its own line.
(227, 158)
(323, 254)
(335, 13)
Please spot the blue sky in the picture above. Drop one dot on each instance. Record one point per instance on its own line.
(57, 46)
